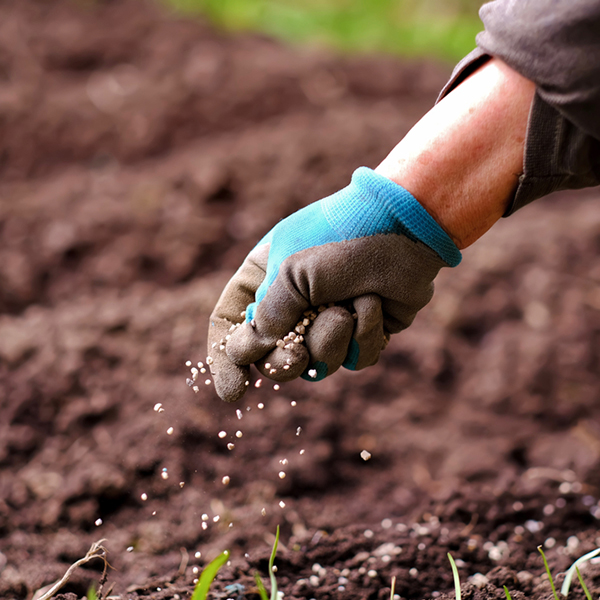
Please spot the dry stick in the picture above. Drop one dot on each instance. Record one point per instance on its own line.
(185, 558)
(97, 550)
(103, 580)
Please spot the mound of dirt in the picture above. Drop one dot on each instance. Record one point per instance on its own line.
(141, 157)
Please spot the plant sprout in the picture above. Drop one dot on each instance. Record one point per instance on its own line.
(208, 575)
(573, 570)
(549, 574)
(455, 575)
(210, 572)
(564, 590)
(259, 584)
(585, 590)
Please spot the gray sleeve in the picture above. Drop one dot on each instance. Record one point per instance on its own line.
(555, 44)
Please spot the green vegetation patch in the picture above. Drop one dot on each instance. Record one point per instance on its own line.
(443, 29)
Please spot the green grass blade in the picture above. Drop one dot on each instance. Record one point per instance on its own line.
(564, 590)
(549, 574)
(207, 576)
(455, 575)
(393, 588)
(508, 596)
(585, 590)
(271, 562)
(261, 587)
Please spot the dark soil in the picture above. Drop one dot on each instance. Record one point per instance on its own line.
(141, 157)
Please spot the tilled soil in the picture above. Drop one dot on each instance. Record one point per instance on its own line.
(141, 157)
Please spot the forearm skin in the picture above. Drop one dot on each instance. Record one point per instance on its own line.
(463, 159)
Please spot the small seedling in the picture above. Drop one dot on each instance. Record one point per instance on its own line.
(262, 592)
(207, 576)
(585, 590)
(564, 590)
(549, 574)
(455, 575)
(259, 584)
(573, 570)
(393, 588)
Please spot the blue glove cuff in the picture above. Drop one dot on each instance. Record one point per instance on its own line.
(370, 205)
(373, 204)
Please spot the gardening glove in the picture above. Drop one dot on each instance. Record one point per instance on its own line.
(327, 286)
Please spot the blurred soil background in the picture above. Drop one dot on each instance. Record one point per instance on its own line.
(142, 155)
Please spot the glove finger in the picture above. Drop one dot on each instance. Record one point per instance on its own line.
(240, 291)
(327, 340)
(284, 364)
(369, 338)
(229, 378)
(276, 317)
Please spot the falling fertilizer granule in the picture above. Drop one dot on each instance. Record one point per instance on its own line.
(365, 455)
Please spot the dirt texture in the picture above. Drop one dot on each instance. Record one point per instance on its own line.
(141, 157)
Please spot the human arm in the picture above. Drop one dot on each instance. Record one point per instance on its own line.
(373, 249)
(491, 145)
(556, 45)
(463, 159)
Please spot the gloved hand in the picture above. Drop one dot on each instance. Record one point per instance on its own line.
(327, 286)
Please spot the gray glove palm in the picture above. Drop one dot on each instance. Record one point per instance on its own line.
(365, 256)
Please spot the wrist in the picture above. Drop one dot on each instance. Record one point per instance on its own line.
(463, 159)
(373, 204)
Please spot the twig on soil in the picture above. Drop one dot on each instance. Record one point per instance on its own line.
(97, 550)
(469, 527)
(103, 579)
(185, 559)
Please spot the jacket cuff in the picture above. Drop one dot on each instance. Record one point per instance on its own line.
(558, 156)
(469, 64)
